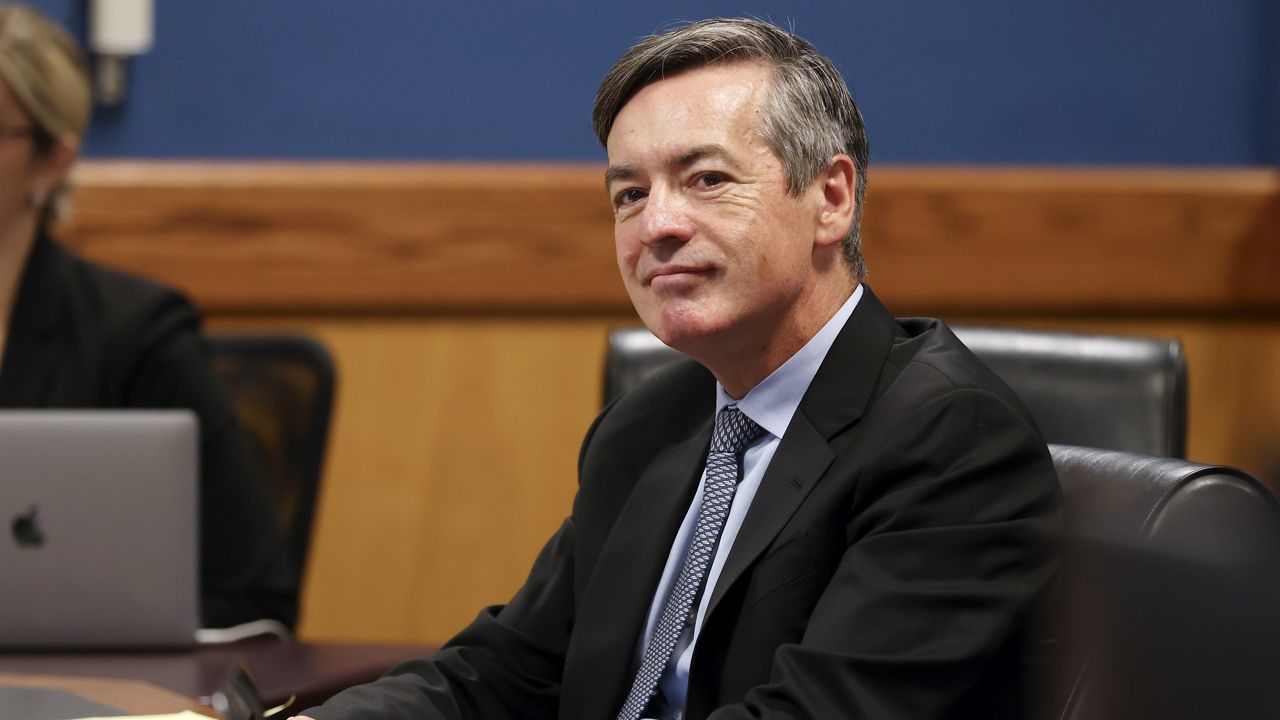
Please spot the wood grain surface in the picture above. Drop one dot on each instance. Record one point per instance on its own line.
(131, 696)
(245, 237)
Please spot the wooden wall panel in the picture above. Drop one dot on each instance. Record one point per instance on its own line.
(1076, 241)
(343, 238)
(453, 457)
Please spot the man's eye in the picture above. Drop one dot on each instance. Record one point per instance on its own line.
(710, 179)
(629, 196)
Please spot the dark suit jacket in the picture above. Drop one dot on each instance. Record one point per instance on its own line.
(884, 569)
(83, 336)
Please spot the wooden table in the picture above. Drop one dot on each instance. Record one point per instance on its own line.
(281, 669)
(132, 696)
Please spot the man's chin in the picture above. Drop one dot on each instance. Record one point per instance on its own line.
(685, 334)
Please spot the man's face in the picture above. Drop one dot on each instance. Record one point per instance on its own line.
(710, 245)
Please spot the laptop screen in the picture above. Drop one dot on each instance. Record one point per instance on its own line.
(100, 528)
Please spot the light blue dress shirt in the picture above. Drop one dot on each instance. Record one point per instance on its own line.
(771, 404)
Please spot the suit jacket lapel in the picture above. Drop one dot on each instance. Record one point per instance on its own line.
(616, 603)
(32, 350)
(835, 400)
(800, 460)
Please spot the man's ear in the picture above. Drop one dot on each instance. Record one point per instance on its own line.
(54, 165)
(835, 215)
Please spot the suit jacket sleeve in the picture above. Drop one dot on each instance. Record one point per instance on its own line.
(947, 549)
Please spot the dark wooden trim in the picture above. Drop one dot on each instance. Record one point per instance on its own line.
(248, 237)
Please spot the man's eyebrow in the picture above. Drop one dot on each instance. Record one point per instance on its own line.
(701, 152)
(684, 159)
(619, 172)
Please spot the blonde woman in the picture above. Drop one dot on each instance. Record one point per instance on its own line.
(77, 335)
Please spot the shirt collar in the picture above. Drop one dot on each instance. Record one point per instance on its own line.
(773, 402)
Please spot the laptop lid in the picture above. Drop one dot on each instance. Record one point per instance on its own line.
(99, 528)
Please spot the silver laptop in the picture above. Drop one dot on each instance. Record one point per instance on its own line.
(100, 527)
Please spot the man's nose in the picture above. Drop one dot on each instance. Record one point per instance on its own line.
(667, 218)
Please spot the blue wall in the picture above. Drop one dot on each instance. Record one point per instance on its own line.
(980, 81)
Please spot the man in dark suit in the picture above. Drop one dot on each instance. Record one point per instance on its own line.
(831, 513)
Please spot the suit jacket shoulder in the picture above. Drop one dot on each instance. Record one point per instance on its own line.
(81, 332)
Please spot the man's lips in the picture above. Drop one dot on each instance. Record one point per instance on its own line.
(670, 274)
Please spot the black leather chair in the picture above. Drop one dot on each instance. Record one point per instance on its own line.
(1121, 393)
(283, 390)
(1165, 608)
(1091, 390)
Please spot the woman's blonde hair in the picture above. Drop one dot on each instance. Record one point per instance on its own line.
(48, 74)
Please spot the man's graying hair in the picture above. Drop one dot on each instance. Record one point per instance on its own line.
(809, 114)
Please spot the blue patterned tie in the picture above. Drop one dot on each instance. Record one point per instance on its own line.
(734, 432)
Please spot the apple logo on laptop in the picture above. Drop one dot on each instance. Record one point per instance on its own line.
(27, 530)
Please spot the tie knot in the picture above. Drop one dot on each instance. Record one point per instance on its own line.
(734, 431)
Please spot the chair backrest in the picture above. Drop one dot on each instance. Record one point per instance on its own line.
(633, 355)
(1120, 393)
(283, 388)
(1168, 591)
